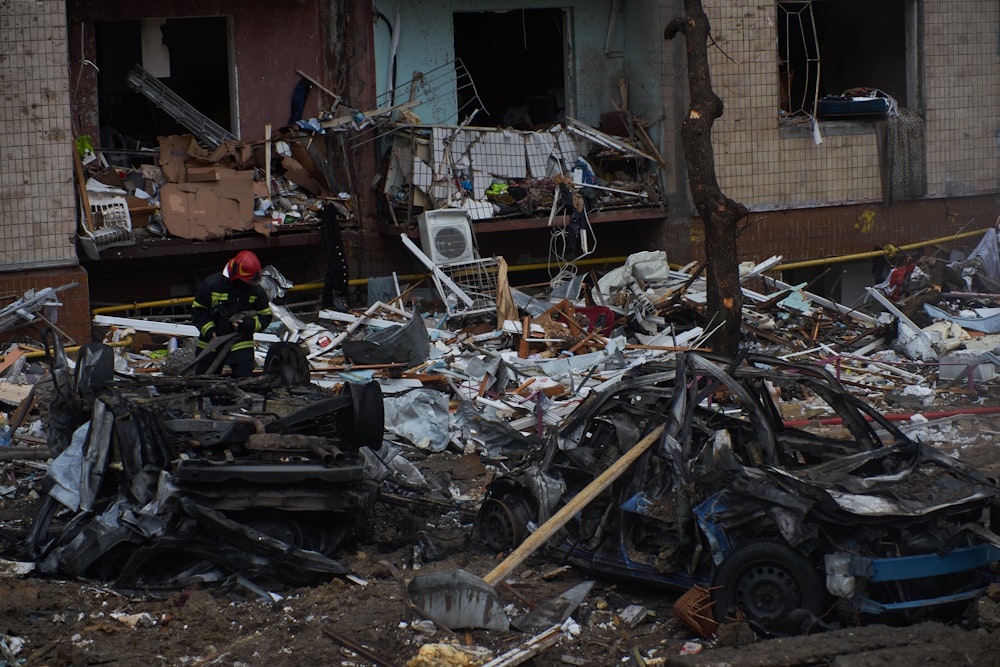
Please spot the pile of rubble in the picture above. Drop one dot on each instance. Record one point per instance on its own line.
(287, 465)
(525, 360)
(211, 185)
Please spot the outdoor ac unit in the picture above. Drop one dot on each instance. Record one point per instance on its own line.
(446, 236)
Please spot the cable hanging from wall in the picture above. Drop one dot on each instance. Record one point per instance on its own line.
(573, 237)
(450, 80)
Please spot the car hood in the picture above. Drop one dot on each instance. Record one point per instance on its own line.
(909, 479)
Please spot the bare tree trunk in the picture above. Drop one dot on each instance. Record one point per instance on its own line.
(720, 214)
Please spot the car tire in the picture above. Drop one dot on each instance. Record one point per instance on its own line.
(502, 523)
(367, 414)
(771, 586)
(288, 361)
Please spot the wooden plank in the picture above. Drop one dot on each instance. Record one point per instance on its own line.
(567, 511)
(24, 408)
(316, 83)
(10, 358)
(14, 394)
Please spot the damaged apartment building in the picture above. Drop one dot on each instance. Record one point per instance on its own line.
(321, 131)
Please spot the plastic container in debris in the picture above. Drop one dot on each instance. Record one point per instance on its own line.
(957, 364)
(5, 436)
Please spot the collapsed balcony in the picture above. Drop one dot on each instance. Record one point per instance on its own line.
(499, 174)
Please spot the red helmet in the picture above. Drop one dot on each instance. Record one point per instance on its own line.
(245, 266)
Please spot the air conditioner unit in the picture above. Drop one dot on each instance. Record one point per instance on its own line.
(446, 236)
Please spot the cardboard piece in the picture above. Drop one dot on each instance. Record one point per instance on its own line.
(304, 158)
(297, 174)
(173, 154)
(238, 154)
(263, 225)
(139, 210)
(202, 173)
(206, 211)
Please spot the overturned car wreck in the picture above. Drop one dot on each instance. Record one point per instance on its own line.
(178, 480)
(789, 525)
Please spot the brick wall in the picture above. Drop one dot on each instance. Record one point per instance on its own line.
(839, 230)
(73, 316)
(38, 211)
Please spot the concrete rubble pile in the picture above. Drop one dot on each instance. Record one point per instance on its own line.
(527, 369)
(357, 398)
(535, 366)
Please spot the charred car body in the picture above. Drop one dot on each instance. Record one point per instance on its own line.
(782, 524)
(201, 476)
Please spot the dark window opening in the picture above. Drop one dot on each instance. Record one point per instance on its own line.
(833, 47)
(517, 61)
(198, 64)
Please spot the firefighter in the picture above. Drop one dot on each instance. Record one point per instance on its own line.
(228, 302)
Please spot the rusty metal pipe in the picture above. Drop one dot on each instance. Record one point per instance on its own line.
(257, 424)
(324, 456)
(329, 455)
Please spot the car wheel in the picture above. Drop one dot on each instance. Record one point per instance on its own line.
(502, 523)
(288, 361)
(367, 414)
(770, 585)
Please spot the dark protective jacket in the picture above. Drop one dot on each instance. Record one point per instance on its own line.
(218, 301)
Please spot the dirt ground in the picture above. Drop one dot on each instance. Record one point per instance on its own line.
(59, 622)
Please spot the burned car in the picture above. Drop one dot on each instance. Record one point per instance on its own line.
(169, 480)
(788, 527)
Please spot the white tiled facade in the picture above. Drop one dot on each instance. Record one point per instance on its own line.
(37, 197)
(962, 92)
(762, 169)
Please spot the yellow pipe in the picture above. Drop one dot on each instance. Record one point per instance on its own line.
(178, 301)
(888, 251)
(34, 353)
(355, 282)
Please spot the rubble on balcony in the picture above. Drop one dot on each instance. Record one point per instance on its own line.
(196, 194)
(500, 172)
(210, 185)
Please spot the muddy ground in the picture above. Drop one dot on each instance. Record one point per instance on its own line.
(61, 622)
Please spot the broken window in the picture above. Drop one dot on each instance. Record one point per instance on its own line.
(836, 56)
(200, 76)
(518, 61)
